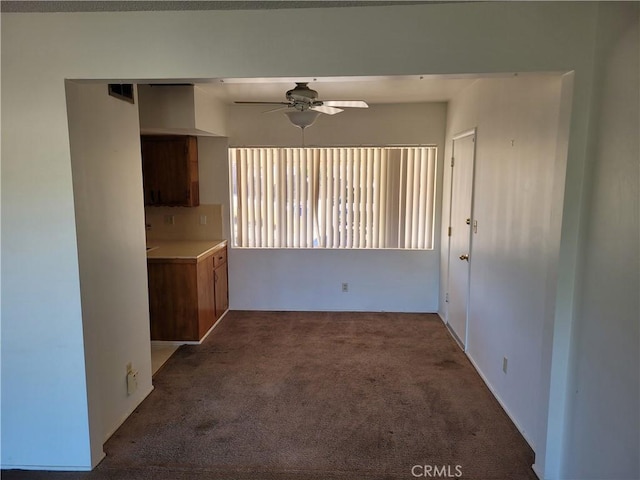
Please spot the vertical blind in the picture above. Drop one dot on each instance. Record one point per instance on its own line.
(342, 197)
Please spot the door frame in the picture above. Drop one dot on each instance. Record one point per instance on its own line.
(462, 342)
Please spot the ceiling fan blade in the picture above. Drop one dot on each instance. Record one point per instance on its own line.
(327, 110)
(346, 103)
(277, 109)
(263, 103)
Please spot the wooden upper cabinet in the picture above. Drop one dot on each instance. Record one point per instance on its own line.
(170, 170)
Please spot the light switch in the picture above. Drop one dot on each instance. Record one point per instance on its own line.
(132, 381)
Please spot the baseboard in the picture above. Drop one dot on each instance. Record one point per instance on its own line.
(323, 310)
(102, 457)
(177, 343)
(502, 404)
(218, 322)
(535, 469)
(455, 337)
(490, 387)
(127, 415)
(161, 342)
(167, 343)
(53, 468)
(76, 468)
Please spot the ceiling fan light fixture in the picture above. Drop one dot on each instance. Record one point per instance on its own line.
(302, 119)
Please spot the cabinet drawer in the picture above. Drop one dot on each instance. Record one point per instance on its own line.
(220, 257)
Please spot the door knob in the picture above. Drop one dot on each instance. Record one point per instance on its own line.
(464, 257)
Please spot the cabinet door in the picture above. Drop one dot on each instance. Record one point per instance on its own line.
(170, 170)
(150, 181)
(173, 301)
(222, 289)
(206, 296)
(193, 180)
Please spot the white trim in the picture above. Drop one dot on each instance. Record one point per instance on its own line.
(55, 468)
(466, 133)
(342, 145)
(472, 132)
(124, 417)
(166, 343)
(75, 468)
(334, 310)
(535, 469)
(218, 322)
(502, 404)
(178, 343)
(455, 336)
(497, 397)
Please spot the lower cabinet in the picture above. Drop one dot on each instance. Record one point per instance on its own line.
(187, 296)
(221, 280)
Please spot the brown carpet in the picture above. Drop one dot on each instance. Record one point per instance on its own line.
(316, 396)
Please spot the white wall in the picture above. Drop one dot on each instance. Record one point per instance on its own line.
(210, 113)
(213, 171)
(107, 180)
(379, 280)
(517, 122)
(400, 124)
(45, 418)
(42, 344)
(180, 110)
(161, 107)
(602, 438)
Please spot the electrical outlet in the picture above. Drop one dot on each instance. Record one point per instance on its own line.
(345, 287)
(169, 219)
(505, 362)
(203, 219)
(129, 367)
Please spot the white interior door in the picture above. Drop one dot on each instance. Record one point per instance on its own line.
(460, 225)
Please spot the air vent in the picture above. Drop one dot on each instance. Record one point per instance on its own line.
(123, 91)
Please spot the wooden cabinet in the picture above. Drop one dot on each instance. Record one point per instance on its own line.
(221, 280)
(187, 296)
(170, 170)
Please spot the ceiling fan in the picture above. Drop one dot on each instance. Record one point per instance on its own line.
(304, 99)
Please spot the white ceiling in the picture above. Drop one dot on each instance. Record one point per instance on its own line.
(389, 89)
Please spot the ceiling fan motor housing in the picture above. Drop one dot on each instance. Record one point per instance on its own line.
(302, 94)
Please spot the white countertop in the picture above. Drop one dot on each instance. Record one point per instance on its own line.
(182, 249)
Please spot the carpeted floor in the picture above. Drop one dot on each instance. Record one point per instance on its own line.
(316, 396)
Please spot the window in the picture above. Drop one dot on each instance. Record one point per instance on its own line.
(342, 197)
